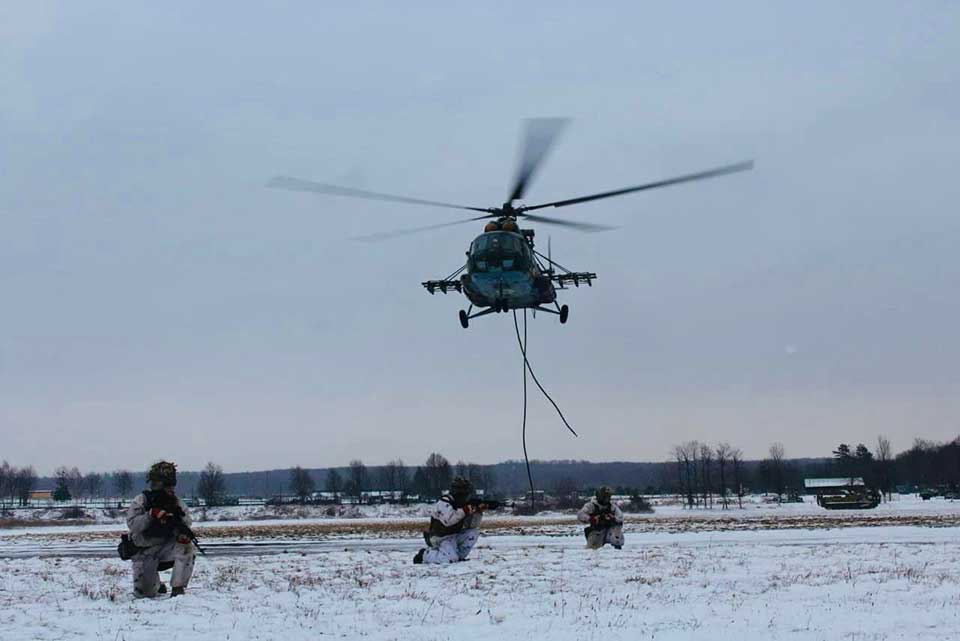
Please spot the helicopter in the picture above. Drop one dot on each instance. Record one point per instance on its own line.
(503, 270)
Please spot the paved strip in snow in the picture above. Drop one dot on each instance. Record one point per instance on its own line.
(903, 535)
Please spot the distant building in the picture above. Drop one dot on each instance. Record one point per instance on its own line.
(41, 495)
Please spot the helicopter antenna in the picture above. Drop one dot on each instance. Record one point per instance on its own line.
(550, 253)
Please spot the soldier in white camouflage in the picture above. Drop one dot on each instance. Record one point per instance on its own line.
(605, 520)
(152, 519)
(454, 525)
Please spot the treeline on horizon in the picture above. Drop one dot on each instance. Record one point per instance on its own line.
(695, 470)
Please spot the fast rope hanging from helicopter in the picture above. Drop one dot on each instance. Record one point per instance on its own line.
(526, 368)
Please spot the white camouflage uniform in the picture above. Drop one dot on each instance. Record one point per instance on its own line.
(146, 579)
(597, 538)
(453, 547)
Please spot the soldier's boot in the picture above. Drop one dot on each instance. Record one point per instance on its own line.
(177, 591)
(162, 589)
(418, 559)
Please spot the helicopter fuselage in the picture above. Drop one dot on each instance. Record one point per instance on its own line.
(503, 272)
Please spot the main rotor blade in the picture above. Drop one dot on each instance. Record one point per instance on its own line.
(573, 224)
(710, 173)
(539, 136)
(386, 235)
(298, 184)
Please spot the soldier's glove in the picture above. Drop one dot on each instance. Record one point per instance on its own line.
(159, 514)
(183, 539)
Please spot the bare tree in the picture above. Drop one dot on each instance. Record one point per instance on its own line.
(567, 493)
(884, 462)
(777, 469)
(697, 468)
(403, 479)
(25, 481)
(679, 456)
(489, 479)
(388, 477)
(723, 457)
(706, 463)
(93, 484)
(393, 478)
(476, 475)
(122, 482)
(334, 484)
(74, 480)
(736, 460)
(420, 483)
(7, 476)
(438, 475)
(359, 482)
(301, 483)
(686, 457)
(212, 486)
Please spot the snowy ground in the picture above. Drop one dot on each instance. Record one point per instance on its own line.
(857, 583)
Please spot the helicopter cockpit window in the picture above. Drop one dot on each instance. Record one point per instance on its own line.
(496, 252)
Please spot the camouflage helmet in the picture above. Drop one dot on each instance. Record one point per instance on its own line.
(164, 473)
(461, 487)
(604, 494)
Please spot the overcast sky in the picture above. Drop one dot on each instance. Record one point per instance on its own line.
(157, 300)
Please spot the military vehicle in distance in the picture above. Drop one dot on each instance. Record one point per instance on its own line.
(848, 493)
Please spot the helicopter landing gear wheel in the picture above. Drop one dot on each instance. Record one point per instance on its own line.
(564, 312)
(464, 319)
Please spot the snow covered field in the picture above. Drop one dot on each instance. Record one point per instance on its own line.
(794, 571)
(857, 583)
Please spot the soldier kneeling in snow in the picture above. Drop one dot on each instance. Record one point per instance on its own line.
(154, 519)
(605, 519)
(454, 525)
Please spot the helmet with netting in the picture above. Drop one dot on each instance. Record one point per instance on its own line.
(461, 488)
(164, 473)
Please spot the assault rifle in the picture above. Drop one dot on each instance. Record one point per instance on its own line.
(174, 520)
(605, 521)
(181, 528)
(440, 530)
(127, 548)
(486, 504)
